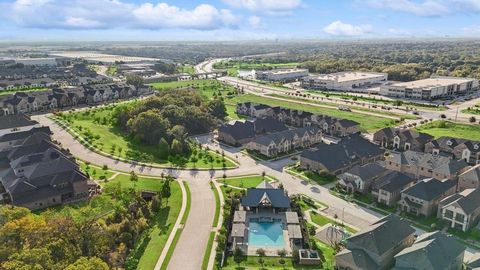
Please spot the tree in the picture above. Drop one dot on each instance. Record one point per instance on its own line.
(238, 255)
(156, 203)
(133, 176)
(260, 252)
(176, 147)
(149, 127)
(217, 108)
(26, 259)
(282, 262)
(135, 80)
(166, 191)
(163, 148)
(472, 119)
(84, 263)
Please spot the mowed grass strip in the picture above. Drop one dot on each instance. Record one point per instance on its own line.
(441, 128)
(250, 181)
(368, 123)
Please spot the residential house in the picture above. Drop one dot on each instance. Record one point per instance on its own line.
(242, 132)
(469, 178)
(425, 165)
(474, 262)
(401, 139)
(423, 197)
(467, 150)
(338, 158)
(461, 210)
(281, 142)
(10, 140)
(16, 123)
(388, 188)
(431, 251)
(361, 178)
(375, 246)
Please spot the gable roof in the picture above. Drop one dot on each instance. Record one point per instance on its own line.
(239, 130)
(394, 181)
(468, 200)
(367, 171)
(16, 121)
(429, 189)
(472, 174)
(434, 250)
(382, 235)
(347, 151)
(276, 197)
(437, 163)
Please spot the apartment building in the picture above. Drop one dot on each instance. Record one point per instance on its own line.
(343, 81)
(431, 88)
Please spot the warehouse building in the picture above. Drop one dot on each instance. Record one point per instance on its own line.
(431, 88)
(344, 81)
(281, 75)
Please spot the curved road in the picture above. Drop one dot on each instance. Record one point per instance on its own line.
(194, 237)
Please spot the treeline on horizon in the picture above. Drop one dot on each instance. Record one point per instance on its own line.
(402, 60)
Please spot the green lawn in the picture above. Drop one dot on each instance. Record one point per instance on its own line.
(157, 236)
(232, 112)
(322, 220)
(208, 251)
(111, 140)
(25, 90)
(441, 128)
(320, 179)
(367, 122)
(83, 211)
(208, 88)
(94, 171)
(217, 204)
(327, 254)
(189, 204)
(358, 108)
(187, 68)
(249, 181)
(143, 183)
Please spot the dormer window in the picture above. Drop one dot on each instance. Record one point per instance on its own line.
(449, 143)
(476, 147)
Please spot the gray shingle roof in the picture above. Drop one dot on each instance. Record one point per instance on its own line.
(434, 250)
(276, 197)
(367, 171)
(429, 189)
(382, 235)
(468, 200)
(16, 121)
(394, 181)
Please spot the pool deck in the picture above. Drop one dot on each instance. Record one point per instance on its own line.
(270, 251)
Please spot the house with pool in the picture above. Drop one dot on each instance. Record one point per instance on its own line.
(265, 221)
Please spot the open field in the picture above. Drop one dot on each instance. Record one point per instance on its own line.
(358, 108)
(367, 122)
(376, 100)
(441, 128)
(95, 127)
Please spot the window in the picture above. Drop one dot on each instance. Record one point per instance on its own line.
(459, 217)
(448, 214)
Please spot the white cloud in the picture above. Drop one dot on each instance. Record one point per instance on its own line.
(338, 28)
(255, 21)
(426, 8)
(270, 7)
(107, 14)
(202, 17)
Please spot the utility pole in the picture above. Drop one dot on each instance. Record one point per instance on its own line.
(456, 115)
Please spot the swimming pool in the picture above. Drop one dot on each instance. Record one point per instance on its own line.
(266, 234)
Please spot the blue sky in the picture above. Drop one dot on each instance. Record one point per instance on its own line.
(236, 19)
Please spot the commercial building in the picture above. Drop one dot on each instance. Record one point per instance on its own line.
(103, 58)
(343, 81)
(281, 75)
(431, 88)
